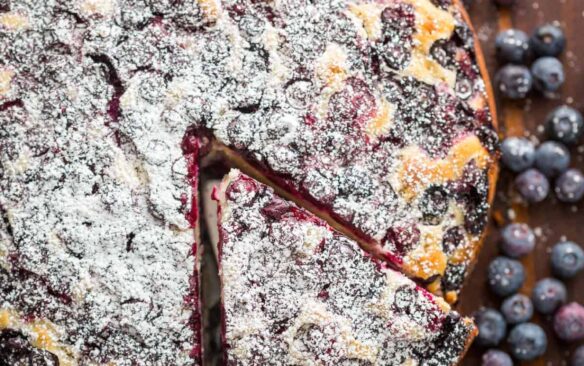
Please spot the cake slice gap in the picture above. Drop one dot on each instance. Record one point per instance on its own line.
(294, 291)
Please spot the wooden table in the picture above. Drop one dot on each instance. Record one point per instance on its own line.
(551, 219)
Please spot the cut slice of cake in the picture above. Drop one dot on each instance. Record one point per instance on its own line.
(297, 292)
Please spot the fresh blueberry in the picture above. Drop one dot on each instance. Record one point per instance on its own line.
(548, 74)
(517, 153)
(527, 341)
(517, 309)
(569, 322)
(578, 357)
(512, 45)
(517, 240)
(506, 276)
(532, 185)
(548, 40)
(492, 327)
(548, 294)
(565, 124)
(514, 81)
(494, 357)
(567, 259)
(569, 186)
(552, 158)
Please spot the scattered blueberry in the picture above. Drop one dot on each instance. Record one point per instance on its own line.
(506, 276)
(517, 153)
(514, 81)
(548, 40)
(492, 327)
(532, 185)
(569, 322)
(569, 186)
(517, 240)
(565, 124)
(548, 74)
(512, 45)
(494, 357)
(578, 357)
(527, 341)
(548, 295)
(567, 259)
(552, 158)
(517, 309)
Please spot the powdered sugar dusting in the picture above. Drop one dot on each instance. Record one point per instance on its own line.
(296, 292)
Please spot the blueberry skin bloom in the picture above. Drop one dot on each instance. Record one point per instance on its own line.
(527, 341)
(517, 309)
(567, 259)
(548, 74)
(565, 124)
(512, 45)
(552, 158)
(517, 153)
(569, 186)
(569, 322)
(506, 276)
(517, 240)
(492, 327)
(532, 185)
(495, 357)
(514, 81)
(548, 40)
(548, 294)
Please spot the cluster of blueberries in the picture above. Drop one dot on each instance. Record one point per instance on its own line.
(526, 340)
(536, 166)
(515, 49)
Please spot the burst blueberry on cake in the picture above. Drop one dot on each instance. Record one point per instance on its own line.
(372, 114)
(297, 292)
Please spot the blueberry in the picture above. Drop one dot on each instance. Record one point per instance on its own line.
(552, 158)
(517, 153)
(548, 74)
(494, 357)
(532, 185)
(517, 309)
(517, 240)
(569, 322)
(578, 357)
(569, 186)
(548, 294)
(506, 276)
(434, 204)
(567, 259)
(548, 40)
(514, 81)
(512, 45)
(492, 327)
(527, 341)
(565, 124)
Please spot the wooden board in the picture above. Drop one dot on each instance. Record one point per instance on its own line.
(552, 220)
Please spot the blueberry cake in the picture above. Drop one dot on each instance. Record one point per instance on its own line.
(295, 292)
(372, 114)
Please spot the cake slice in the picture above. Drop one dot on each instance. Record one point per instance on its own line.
(297, 292)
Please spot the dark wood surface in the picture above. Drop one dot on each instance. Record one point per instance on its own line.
(552, 220)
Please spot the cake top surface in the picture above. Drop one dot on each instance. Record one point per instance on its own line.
(345, 100)
(297, 293)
